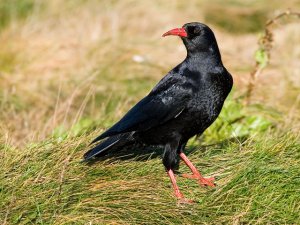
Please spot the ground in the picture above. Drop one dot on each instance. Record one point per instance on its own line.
(69, 69)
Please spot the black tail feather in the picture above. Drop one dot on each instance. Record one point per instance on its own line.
(105, 145)
(96, 139)
(117, 141)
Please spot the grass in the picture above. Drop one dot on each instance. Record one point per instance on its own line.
(14, 10)
(258, 182)
(68, 70)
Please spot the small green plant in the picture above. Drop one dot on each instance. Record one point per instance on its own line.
(263, 53)
(11, 10)
(237, 121)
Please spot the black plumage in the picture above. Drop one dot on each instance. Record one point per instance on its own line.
(183, 104)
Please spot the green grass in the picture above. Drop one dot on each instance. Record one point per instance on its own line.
(13, 10)
(257, 176)
(67, 73)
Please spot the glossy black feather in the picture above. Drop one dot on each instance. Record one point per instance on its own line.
(116, 141)
(163, 103)
(184, 103)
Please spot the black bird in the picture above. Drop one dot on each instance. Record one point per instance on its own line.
(183, 104)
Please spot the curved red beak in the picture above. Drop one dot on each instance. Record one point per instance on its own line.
(176, 31)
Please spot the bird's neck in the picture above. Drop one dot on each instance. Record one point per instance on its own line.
(208, 58)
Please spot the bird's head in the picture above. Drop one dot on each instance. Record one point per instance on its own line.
(197, 37)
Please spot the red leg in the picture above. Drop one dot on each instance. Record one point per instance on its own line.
(196, 174)
(178, 194)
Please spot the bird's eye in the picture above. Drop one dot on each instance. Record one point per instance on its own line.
(197, 30)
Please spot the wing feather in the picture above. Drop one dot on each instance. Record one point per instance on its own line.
(161, 105)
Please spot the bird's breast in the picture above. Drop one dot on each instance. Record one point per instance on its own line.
(206, 105)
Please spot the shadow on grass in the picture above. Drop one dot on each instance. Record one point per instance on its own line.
(145, 153)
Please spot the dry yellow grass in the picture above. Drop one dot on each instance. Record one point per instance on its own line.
(65, 52)
(74, 65)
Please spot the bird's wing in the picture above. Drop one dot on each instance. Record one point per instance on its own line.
(162, 104)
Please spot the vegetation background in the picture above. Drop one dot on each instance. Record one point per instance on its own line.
(69, 69)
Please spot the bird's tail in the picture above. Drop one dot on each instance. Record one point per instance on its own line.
(114, 142)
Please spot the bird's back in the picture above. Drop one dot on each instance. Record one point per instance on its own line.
(208, 92)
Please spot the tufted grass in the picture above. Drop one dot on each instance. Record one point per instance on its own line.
(70, 69)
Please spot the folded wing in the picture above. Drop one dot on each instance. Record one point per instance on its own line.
(157, 108)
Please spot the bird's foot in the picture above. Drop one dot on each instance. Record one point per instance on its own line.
(185, 201)
(190, 176)
(209, 181)
(181, 199)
